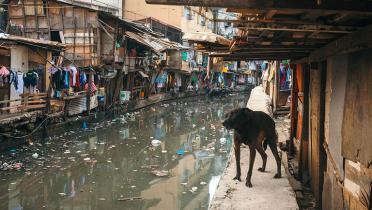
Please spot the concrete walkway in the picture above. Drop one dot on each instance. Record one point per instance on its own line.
(267, 193)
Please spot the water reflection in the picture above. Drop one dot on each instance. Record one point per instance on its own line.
(112, 160)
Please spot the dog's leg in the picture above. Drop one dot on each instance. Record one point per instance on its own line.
(252, 156)
(264, 157)
(274, 150)
(237, 156)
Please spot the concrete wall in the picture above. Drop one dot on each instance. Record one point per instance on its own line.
(194, 25)
(18, 62)
(138, 9)
(172, 15)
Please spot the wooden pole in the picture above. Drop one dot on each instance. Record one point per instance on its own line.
(89, 91)
(304, 141)
(276, 85)
(36, 19)
(73, 15)
(294, 112)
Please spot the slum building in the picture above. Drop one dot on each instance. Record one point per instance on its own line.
(100, 46)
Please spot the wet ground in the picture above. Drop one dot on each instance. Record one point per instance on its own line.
(168, 156)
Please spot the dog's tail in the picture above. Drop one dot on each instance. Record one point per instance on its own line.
(267, 141)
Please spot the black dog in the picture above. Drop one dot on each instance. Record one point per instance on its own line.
(257, 130)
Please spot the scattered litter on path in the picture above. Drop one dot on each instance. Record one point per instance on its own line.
(129, 199)
(160, 173)
(193, 189)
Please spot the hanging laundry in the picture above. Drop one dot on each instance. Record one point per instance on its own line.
(93, 88)
(20, 84)
(73, 74)
(30, 79)
(4, 71)
(83, 78)
(66, 78)
(184, 56)
(289, 74)
(52, 70)
(13, 79)
(57, 80)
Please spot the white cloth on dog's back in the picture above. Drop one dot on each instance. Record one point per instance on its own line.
(260, 101)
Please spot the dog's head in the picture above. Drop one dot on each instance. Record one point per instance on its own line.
(235, 118)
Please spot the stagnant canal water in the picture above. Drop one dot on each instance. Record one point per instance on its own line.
(113, 159)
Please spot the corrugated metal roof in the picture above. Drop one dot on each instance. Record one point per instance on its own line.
(156, 44)
(92, 5)
(29, 41)
(206, 37)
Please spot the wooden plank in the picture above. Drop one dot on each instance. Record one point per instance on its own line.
(35, 106)
(284, 21)
(314, 130)
(12, 107)
(357, 120)
(7, 101)
(74, 20)
(357, 6)
(36, 102)
(293, 108)
(31, 95)
(48, 20)
(304, 141)
(280, 27)
(36, 19)
(356, 41)
(24, 18)
(269, 14)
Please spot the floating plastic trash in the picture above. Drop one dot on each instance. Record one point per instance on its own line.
(12, 151)
(223, 140)
(180, 152)
(85, 125)
(155, 142)
(35, 155)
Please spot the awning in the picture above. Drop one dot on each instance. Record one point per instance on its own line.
(156, 44)
(204, 37)
(136, 37)
(143, 74)
(32, 42)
